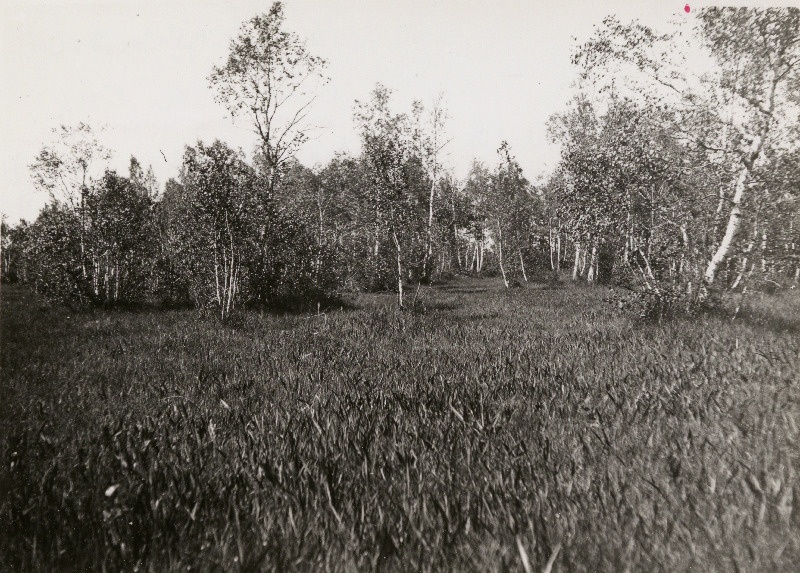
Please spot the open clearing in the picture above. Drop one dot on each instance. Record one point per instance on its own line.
(484, 431)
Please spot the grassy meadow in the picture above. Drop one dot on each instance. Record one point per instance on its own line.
(543, 429)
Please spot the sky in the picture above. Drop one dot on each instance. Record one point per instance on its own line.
(137, 71)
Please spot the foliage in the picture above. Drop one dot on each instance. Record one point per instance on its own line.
(170, 281)
(215, 226)
(51, 249)
(119, 239)
(679, 185)
(397, 181)
(512, 209)
(269, 77)
(93, 243)
(64, 168)
(11, 257)
(299, 272)
(708, 143)
(99, 254)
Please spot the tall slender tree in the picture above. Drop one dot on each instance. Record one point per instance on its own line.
(271, 78)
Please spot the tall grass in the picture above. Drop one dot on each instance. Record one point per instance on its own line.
(482, 431)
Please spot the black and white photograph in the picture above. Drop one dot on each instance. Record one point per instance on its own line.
(399, 285)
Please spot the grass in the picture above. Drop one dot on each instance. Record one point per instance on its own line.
(483, 431)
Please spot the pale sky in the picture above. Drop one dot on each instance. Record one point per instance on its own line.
(139, 69)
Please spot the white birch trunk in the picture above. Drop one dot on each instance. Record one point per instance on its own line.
(747, 162)
(500, 253)
(429, 243)
(592, 275)
(473, 264)
(583, 262)
(558, 252)
(576, 266)
(399, 269)
(216, 275)
(734, 220)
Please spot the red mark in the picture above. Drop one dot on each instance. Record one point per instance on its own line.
(687, 9)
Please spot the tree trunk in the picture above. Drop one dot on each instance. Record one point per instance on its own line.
(106, 277)
(734, 219)
(628, 234)
(399, 269)
(500, 253)
(522, 266)
(583, 261)
(747, 251)
(558, 253)
(83, 225)
(116, 279)
(747, 162)
(455, 234)
(375, 229)
(216, 275)
(741, 273)
(95, 273)
(426, 271)
(592, 275)
(576, 266)
(320, 232)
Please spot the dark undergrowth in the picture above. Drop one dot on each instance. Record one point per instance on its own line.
(479, 431)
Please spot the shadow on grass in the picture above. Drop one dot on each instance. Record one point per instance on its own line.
(443, 305)
(769, 321)
(548, 285)
(462, 290)
(300, 307)
(481, 316)
(22, 297)
(778, 314)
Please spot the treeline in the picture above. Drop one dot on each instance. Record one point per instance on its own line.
(677, 187)
(217, 237)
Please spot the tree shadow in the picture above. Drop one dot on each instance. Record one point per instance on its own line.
(768, 321)
(464, 290)
(481, 316)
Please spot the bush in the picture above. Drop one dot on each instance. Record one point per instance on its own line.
(294, 271)
(53, 262)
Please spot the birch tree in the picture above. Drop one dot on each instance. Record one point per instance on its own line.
(217, 230)
(510, 209)
(758, 52)
(64, 169)
(387, 146)
(121, 239)
(724, 119)
(430, 140)
(270, 78)
(477, 192)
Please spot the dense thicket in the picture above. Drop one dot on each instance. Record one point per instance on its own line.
(675, 186)
(691, 179)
